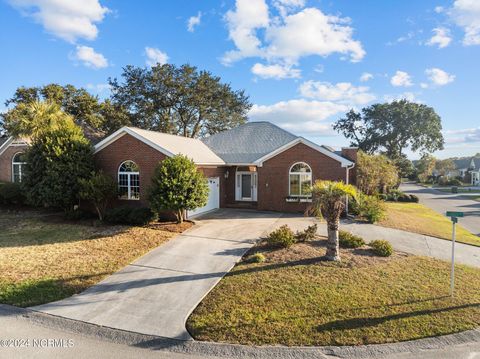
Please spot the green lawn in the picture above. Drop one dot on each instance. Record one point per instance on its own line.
(296, 299)
(43, 258)
(417, 218)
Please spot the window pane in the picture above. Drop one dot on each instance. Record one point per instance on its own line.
(17, 177)
(134, 186)
(128, 166)
(294, 185)
(306, 183)
(300, 167)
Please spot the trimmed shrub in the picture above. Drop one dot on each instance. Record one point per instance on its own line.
(381, 248)
(307, 234)
(255, 258)
(350, 240)
(78, 213)
(370, 208)
(141, 216)
(282, 237)
(128, 215)
(408, 198)
(11, 193)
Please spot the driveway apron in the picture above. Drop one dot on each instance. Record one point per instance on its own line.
(155, 294)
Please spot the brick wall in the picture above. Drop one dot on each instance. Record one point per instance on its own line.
(273, 176)
(147, 158)
(129, 148)
(6, 162)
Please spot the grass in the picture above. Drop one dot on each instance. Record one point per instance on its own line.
(417, 218)
(296, 299)
(43, 258)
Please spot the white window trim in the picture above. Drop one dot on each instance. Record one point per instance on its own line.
(129, 186)
(20, 164)
(300, 186)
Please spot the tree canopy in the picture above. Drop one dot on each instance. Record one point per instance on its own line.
(392, 127)
(375, 173)
(179, 100)
(86, 110)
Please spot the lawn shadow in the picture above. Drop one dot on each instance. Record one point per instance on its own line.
(357, 323)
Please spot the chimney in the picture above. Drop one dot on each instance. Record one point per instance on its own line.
(350, 153)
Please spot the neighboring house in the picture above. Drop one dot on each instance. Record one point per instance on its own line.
(12, 159)
(257, 165)
(468, 169)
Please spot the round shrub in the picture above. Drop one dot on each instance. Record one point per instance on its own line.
(308, 234)
(370, 208)
(350, 240)
(282, 237)
(381, 248)
(255, 258)
(11, 193)
(128, 215)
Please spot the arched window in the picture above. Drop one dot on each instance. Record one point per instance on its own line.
(18, 167)
(300, 180)
(129, 180)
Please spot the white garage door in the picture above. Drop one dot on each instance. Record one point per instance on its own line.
(213, 198)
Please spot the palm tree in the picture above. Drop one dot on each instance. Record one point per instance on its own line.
(329, 200)
(34, 118)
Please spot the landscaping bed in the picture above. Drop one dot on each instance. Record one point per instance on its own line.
(295, 298)
(44, 258)
(417, 218)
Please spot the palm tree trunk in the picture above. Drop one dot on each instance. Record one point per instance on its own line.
(333, 251)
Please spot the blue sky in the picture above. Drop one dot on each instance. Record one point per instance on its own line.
(301, 61)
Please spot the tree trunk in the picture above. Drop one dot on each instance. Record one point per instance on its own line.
(333, 252)
(179, 215)
(99, 211)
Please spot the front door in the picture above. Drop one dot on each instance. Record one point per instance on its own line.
(246, 186)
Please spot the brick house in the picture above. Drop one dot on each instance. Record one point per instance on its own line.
(257, 165)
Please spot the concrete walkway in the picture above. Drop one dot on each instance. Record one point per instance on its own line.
(408, 242)
(442, 202)
(155, 294)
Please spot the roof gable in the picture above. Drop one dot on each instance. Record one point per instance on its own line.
(169, 145)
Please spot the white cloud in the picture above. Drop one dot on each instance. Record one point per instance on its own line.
(299, 116)
(442, 37)
(275, 71)
(466, 14)
(290, 37)
(285, 7)
(439, 77)
(469, 135)
(409, 96)
(366, 76)
(401, 79)
(67, 19)
(342, 92)
(99, 88)
(194, 21)
(311, 32)
(439, 9)
(155, 56)
(90, 58)
(248, 16)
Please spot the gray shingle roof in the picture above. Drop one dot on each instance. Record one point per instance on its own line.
(249, 142)
(462, 163)
(3, 139)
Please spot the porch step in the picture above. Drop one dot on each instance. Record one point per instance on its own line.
(241, 204)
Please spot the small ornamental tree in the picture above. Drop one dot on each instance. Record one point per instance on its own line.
(329, 200)
(99, 189)
(177, 186)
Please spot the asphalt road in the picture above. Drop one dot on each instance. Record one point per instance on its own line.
(441, 202)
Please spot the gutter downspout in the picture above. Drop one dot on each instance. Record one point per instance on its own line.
(347, 181)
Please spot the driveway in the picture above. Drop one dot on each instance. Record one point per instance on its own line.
(441, 202)
(155, 294)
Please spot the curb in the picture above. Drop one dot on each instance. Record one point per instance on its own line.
(235, 350)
